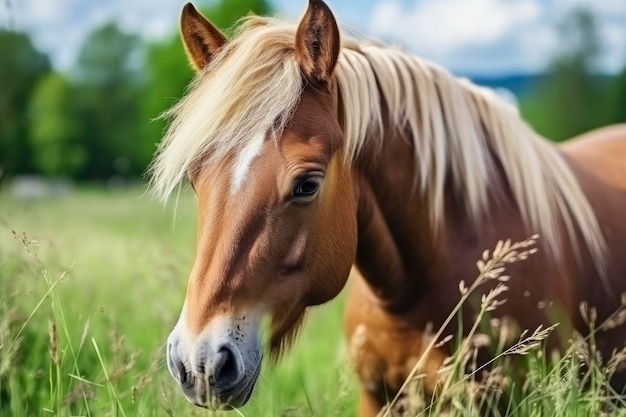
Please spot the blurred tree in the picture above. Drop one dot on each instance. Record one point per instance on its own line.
(21, 65)
(618, 99)
(225, 13)
(98, 124)
(167, 70)
(569, 100)
(54, 128)
(108, 93)
(167, 74)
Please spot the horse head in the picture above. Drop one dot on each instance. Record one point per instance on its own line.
(276, 205)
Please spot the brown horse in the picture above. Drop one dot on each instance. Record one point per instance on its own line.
(309, 154)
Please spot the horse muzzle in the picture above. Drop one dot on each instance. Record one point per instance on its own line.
(219, 369)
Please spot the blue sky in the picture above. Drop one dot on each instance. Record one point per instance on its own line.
(478, 37)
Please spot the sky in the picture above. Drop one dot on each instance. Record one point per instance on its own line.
(473, 37)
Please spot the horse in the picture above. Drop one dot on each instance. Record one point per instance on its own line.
(310, 152)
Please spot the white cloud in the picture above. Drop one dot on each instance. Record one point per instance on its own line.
(45, 11)
(441, 29)
(452, 23)
(478, 36)
(614, 44)
(59, 27)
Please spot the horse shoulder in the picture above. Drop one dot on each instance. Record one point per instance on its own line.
(601, 152)
(598, 159)
(384, 348)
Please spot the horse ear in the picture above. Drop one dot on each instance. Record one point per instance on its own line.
(200, 37)
(317, 42)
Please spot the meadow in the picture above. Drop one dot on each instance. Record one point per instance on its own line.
(91, 284)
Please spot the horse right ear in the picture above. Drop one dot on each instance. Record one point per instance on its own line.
(200, 37)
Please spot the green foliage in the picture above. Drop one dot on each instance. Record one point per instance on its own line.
(571, 99)
(21, 65)
(108, 93)
(224, 14)
(618, 99)
(108, 58)
(167, 73)
(54, 128)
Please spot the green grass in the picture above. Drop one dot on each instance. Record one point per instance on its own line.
(92, 283)
(90, 286)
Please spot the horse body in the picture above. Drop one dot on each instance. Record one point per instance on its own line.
(306, 157)
(387, 324)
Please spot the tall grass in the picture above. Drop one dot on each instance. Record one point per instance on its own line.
(90, 286)
(521, 379)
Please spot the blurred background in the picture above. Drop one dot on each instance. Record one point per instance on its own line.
(81, 82)
(93, 273)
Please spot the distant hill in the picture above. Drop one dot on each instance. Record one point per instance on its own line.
(521, 84)
(518, 84)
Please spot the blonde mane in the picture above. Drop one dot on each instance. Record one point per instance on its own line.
(458, 128)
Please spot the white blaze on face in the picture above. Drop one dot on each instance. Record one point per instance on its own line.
(244, 160)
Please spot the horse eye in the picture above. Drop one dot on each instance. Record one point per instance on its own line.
(306, 187)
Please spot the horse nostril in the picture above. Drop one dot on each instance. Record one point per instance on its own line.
(178, 369)
(182, 373)
(226, 369)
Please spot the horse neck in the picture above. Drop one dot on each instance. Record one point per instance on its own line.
(396, 236)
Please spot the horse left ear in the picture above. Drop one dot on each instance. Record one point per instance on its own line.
(317, 42)
(200, 37)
